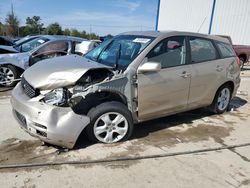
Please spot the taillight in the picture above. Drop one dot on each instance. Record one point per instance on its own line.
(238, 62)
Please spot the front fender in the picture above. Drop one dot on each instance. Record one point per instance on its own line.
(17, 60)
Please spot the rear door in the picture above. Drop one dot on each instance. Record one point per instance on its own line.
(166, 91)
(208, 72)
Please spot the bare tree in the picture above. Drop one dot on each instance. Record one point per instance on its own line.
(12, 23)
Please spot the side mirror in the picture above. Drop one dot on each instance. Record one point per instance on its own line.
(149, 67)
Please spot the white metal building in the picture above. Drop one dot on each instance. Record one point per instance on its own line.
(223, 17)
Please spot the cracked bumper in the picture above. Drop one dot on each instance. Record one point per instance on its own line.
(55, 125)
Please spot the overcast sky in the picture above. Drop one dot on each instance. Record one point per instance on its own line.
(100, 16)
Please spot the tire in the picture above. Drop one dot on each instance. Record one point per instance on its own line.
(102, 127)
(222, 99)
(8, 74)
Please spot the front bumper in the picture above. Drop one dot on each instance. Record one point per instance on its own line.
(55, 125)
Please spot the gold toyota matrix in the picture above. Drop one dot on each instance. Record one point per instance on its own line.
(131, 78)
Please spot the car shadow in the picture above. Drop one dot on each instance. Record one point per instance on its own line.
(145, 128)
(142, 130)
(246, 67)
(4, 89)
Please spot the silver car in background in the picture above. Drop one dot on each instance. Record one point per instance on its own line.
(38, 48)
(86, 46)
(131, 78)
(18, 46)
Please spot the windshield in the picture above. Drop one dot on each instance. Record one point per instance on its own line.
(120, 51)
(31, 44)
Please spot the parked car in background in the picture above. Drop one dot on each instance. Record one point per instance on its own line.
(134, 77)
(18, 46)
(86, 46)
(6, 41)
(104, 38)
(15, 39)
(43, 47)
(242, 51)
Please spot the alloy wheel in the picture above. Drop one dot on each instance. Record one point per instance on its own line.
(223, 99)
(6, 76)
(111, 127)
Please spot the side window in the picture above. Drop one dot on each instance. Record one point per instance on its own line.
(225, 49)
(202, 50)
(53, 49)
(54, 46)
(170, 52)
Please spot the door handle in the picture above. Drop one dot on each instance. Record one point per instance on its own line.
(185, 74)
(219, 68)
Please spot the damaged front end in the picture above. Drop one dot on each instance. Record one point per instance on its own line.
(57, 112)
(71, 96)
(61, 93)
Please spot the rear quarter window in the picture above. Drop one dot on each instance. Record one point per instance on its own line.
(226, 50)
(202, 50)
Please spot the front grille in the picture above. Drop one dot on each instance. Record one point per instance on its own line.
(28, 89)
(41, 133)
(21, 119)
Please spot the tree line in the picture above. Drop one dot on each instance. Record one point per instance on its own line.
(34, 26)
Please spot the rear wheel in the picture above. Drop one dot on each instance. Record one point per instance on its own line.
(8, 74)
(110, 122)
(222, 99)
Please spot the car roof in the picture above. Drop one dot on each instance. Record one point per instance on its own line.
(63, 37)
(173, 33)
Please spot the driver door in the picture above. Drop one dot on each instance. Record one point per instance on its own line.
(50, 50)
(166, 91)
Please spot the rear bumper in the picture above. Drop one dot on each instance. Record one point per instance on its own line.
(236, 86)
(56, 125)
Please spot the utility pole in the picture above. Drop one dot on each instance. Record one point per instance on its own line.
(12, 10)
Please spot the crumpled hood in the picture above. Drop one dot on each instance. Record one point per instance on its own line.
(9, 48)
(59, 72)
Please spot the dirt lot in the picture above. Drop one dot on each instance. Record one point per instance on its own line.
(191, 149)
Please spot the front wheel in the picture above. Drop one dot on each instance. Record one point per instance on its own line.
(222, 99)
(8, 75)
(110, 122)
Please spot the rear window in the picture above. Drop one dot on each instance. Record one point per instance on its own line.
(54, 46)
(202, 50)
(225, 49)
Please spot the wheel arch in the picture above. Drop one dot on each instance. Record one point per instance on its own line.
(229, 83)
(19, 69)
(91, 100)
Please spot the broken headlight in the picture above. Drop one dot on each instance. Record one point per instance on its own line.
(58, 97)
